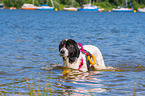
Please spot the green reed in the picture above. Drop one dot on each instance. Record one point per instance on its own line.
(45, 90)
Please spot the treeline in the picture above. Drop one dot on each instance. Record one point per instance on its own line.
(60, 4)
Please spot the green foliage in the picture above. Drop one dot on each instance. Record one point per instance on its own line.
(42, 1)
(60, 4)
(135, 5)
(82, 2)
(28, 1)
(36, 3)
(13, 3)
(18, 3)
(75, 4)
(57, 4)
(65, 2)
(106, 5)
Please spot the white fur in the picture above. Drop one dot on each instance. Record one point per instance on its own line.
(98, 55)
(93, 50)
(65, 50)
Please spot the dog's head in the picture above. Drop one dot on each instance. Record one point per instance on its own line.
(69, 48)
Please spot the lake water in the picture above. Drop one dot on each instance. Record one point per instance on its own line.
(30, 61)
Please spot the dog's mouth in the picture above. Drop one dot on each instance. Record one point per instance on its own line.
(62, 52)
(61, 55)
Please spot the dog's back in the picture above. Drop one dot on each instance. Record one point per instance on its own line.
(98, 55)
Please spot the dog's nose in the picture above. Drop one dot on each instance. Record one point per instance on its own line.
(62, 52)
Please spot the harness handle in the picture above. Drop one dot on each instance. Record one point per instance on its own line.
(94, 59)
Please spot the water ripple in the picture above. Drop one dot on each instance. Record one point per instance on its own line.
(29, 52)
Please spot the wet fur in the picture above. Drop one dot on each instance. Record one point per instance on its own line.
(72, 47)
(72, 55)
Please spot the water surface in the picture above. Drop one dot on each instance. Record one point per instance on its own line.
(29, 52)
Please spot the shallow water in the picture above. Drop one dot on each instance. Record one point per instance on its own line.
(29, 52)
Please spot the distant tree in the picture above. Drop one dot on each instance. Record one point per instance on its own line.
(66, 2)
(82, 2)
(28, 1)
(19, 3)
(116, 2)
(13, 3)
(57, 4)
(8, 3)
(60, 4)
(42, 1)
(135, 4)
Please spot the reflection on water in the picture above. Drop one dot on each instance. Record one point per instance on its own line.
(30, 62)
(79, 79)
(88, 83)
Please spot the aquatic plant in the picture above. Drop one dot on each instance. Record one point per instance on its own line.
(45, 90)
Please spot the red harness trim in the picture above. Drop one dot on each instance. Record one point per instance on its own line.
(81, 64)
(88, 54)
(82, 49)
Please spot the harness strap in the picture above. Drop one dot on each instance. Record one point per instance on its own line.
(88, 55)
(81, 64)
(88, 64)
(82, 49)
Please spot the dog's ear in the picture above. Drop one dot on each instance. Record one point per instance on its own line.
(62, 43)
(73, 49)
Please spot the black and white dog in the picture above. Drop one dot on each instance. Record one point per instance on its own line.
(75, 59)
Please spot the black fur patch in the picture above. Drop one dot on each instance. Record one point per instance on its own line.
(72, 48)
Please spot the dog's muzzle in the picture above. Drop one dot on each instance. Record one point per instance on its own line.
(62, 53)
